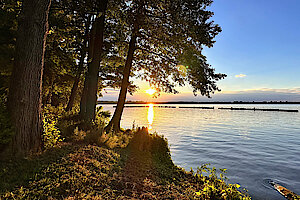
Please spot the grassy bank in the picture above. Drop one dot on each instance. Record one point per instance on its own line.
(142, 169)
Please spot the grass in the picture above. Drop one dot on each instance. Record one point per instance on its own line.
(18, 172)
(132, 166)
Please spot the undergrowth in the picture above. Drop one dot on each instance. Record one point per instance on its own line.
(68, 126)
(82, 174)
(127, 165)
(15, 173)
(216, 187)
(6, 128)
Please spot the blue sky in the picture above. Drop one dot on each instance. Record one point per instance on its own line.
(260, 39)
(260, 43)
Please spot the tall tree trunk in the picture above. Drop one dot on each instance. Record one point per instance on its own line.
(93, 71)
(116, 119)
(24, 101)
(76, 81)
(82, 111)
(80, 66)
(91, 80)
(114, 123)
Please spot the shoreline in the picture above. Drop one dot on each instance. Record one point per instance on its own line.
(188, 102)
(142, 170)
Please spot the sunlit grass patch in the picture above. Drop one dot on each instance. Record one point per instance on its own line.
(143, 169)
(84, 173)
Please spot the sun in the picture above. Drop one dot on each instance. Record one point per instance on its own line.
(150, 91)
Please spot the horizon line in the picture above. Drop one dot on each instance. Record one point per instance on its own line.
(201, 102)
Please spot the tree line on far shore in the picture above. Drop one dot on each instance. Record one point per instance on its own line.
(63, 53)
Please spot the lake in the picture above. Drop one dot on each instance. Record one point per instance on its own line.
(254, 146)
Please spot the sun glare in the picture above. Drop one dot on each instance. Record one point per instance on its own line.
(150, 116)
(150, 91)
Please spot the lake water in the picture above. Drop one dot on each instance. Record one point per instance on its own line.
(254, 146)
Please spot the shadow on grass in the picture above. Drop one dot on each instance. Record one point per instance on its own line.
(142, 170)
(18, 172)
(148, 171)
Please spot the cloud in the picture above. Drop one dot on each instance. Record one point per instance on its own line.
(240, 75)
(266, 90)
(259, 94)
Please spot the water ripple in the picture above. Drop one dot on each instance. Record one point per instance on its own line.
(255, 147)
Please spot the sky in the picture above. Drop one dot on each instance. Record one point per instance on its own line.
(258, 49)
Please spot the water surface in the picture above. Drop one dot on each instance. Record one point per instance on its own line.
(254, 146)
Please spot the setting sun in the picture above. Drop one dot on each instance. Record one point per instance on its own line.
(150, 91)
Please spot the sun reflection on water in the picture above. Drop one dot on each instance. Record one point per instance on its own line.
(150, 116)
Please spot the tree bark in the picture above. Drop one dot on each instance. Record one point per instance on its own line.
(76, 81)
(89, 98)
(24, 101)
(82, 111)
(116, 119)
(80, 66)
(114, 123)
(93, 71)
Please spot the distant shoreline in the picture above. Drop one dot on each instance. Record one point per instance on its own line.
(193, 102)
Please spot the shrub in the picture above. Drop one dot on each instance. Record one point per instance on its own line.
(51, 134)
(113, 140)
(78, 134)
(215, 187)
(101, 117)
(73, 126)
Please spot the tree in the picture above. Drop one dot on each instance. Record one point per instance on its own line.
(73, 34)
(66, 52)
(9, 11)
(89, 96)
(24, 101)
(79, 69)
(115, 121)
(162, 32)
